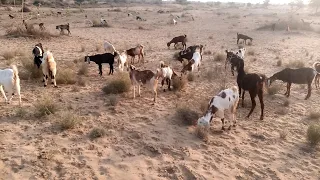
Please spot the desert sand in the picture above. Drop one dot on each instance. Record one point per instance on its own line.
(146, 141)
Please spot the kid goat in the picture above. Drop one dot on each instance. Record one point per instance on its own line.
(49, 68)
(165, 72)
(145, 77)
(244, 37)
(102, 58)
(9, 79)
(296, 76)
(227, 99)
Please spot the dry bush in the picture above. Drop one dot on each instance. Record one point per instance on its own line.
(25, 9)
(236, 16)
(313, 134)
(251, 52)
(65, 76)
(30, 70)
(97, 133)
(119, 85)
(202, 132)
(207, 52)
(68, 120)
(82, 81)
(254, 59)
(294, 24)
(96, 23)
(187, 116)
(273, 89)
(219, 57)
(283, 134)
(210, 37)
(240, 46)
(314, 115)
(286, 103)
(191, 77)
(296, 64)
(83, 48)
(113, 100)
(98, 47)
(21, 31)
(141, 28)
(178, 83)
(249, 43)
(21, 112)
(281, 111)
(279, 62)
(176, 55)
(45, 106)
(203, 106)
(8, 55)
(83, 70)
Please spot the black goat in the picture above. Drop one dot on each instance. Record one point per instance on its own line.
(188, 53)
(102, 58)
(296, 76)
(38, 54)
(254, 84)
(244, 37)
(175, 40)
(234, 60)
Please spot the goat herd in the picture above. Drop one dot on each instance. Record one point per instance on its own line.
(227, 99)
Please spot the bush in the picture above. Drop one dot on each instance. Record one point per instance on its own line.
(219, 57)
(97, 133)
(113, 100)
(21, 112)
(68, 120)
(202, 132)
(178, 83)
(283, 134)
(251, 52)
(286, 103)
(273, 89)
(45, 106)
(314, 115)
(82, 82)
(96, 23)
(98, 47)
(279, 62)
(191, 77)
(65, 76)
(8, 55)
(120, 85)
(187, 116)
(83, 48)
(32, 71)
(21, 31)
(313, 134)
(296, 64)
(83, 70)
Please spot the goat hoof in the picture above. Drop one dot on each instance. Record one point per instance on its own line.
(45, 85)
(261, 118)
(164, 90)
(222, 128)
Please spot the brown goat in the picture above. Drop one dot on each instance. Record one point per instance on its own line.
(316, 66)
(175, 40)
(138, 50)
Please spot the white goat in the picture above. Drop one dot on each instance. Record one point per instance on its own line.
(103, 21)
(194, 63)
(165, 73)
(122, 60)
(108, 47)
(174, 22)
(49, 68)
(9, 79)
(241, 52)
(227, 99)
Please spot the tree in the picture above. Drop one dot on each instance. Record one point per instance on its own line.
(315, 4)
(298, 4)
(266, 3)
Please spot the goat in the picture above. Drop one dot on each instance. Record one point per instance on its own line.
(316, 66)
(25, 24)
(254, 84)
(102, 58)
(175, 40)
(108, 47)
(38, 54)
(195, 62)
(165, 72)
(11, 16)
(234, 60)
(138, 50)
(103, 21)
(9, 79)
(129, 14)
(241, 52)
(41, 26)
(62, 27)
(297, 76)
(244, 37)
(227, 99)
(174, 22)
(122, 60)
(145, 77)
(138, 18)
(188, 53)
(49, 68)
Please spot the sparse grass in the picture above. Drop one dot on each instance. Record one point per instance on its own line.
(187, 116)
(279, 62)
(210, 37)
(31, 71)
(97, 133)
(68, 120)
(96, 23)
(273, 89)
(179, 83)
(286, 103)
(45, 106)
(191, 77)
(202, 133)
(314, 115)
(283, 134)
(83, 70)
(65, 76)
(20, 31)
(141, 28)
(119, 85)
(219, 57)
(203, 106)
(113, 100)
(82, 81)
(207, 52)
(249, 43)
(296, 64)
(83, 48)
(98, 47)
(281, 111)
(251, 52)
(313, 134)
(8, 55)
(21, 112)
(254, 59)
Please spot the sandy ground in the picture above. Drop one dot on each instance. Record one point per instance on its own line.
(146, 141)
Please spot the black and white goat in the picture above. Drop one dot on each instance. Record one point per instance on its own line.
(165, 73)
(9, 79)
(38, 54)
(102, 58)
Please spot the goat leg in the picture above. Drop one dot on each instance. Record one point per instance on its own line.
(243, 98)
(100, 69)
(3, 94)
(253, 101)
(309, 91)
(169, 84)
(222, 120)
(289, 87)
(260, 95)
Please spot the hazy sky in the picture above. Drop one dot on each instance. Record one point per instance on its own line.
(252, 1)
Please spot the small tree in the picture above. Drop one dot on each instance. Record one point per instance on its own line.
(315, 4)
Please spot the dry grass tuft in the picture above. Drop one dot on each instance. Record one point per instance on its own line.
(65, 76)
(249, 43)
(203, 106)
(68, 120)
(202, 132)
(8, 55)
(119, 85)
(21, 112)
(30, 70)
(296, 64)
(45, 106)
(279, 62)
(96, 23)
(191, 77)
(97, 133)
(273, 89)
(83, 48)
(286, 103)
(314, 115)
(283, 134)
(98, 47)
(82, 82)
(219, 57)
(113, 100)
(21, 31)
(281, 111)
(83, 70)
(187, 116)
(251, 52)
(313, 134)
(207, 52)
(178, 83)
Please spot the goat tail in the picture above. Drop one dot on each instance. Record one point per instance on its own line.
(15, 72)
(315, 65)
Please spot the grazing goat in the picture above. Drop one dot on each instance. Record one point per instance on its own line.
(122, 60)
(138, 50)
(296, 76)
(11, 16)
(195, 62)
(108, 47)
(145, 77)
(244, 37)
(38, 54)
(9, 79)
(165, 73)
(188, 53)
(316, 66)
(175, 40)
(227, 99)
(49, 68)
(62, 27)
(254, 84)
(234, 60)
(41, 26)
(102, 58)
